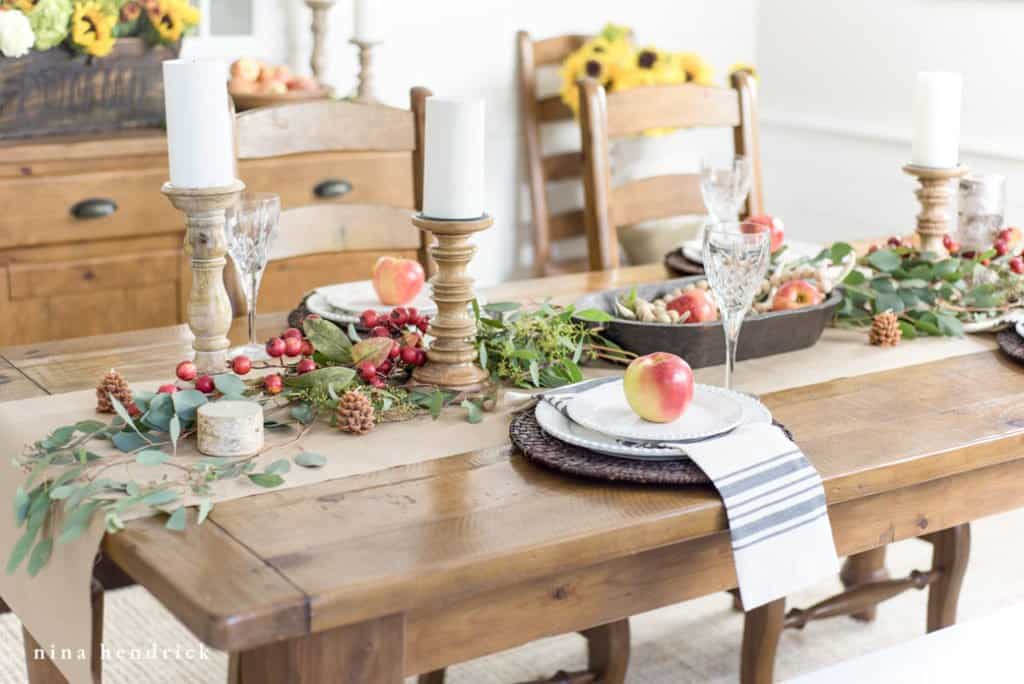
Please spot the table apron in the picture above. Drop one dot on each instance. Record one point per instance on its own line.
(454, 631)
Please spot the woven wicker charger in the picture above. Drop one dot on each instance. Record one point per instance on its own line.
(1011, 344)
(678, 264)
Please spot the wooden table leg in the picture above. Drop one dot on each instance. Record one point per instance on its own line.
(435, 677)
(861, 569)
(761, 630)
(608, 651)
(371, 652)
(41, 670)
(950, 551)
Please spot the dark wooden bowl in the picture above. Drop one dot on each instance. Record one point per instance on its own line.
(703, 344)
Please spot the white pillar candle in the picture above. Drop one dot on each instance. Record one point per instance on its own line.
(200, 130)
(937, 120)
(366, 21)
(453, 173)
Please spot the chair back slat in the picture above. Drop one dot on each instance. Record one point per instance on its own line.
(345, 228)
(604, 116)
(562, 166)
(656, 197)
(568, 225)
(551, 109)
(671, 106)
(323, 126)
(551, 51)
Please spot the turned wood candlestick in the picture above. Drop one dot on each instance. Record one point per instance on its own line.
(364, 92)
(318, 59)
(935, 195)
(451, 359)
(209, 308)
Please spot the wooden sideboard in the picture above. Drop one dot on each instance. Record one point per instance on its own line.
(66, 275)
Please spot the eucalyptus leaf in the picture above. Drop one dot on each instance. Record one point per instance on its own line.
(177, 520)
(123, 414)
(186, 402)
(303, 413)
(474, 414)
(838, 251)
(436, 404)
(40, 555)
(21, 549)
(884, 260)
(502, 307)
(128, 441)
(854, 278)
(175, 432)
(594, 316)
(160, 497)
(230, 385)
(21, 503)
(77, 522)
(89, 426)
(308, 459)
(62, 492)
(268, 480)
(151, 457)
(205, 506)
(887, 301)
(279, 466)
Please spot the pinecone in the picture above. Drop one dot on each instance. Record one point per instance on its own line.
(113, 384)
(355, 413)
(885, 330)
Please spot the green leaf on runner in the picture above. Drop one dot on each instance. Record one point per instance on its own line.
(62, 492)
(854, 278)
(21, 502)
(436, 404)
(151, 457)
(281, 465)
(89, 426)
(372, 349)
(334, 375)
(594, 316)
(268, 480)
(885, 260)
(308, 459)
(205, 506)
(501, 307)
(474, 414)
(482, 351)
(186, 402)
(160, 497)
(328, 339)
(40, 554)
(303, 413)
(839, 251)
(175, 432)
(230, 385)
(77, 522)
(177, 520)
(122, 413)
(128, 441)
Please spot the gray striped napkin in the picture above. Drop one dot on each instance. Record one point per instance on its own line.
(774, 501)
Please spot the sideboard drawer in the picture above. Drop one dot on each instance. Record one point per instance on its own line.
(53, 209)
(32, 281)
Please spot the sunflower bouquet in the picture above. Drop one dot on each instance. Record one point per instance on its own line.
(91, 27)
(613, 58)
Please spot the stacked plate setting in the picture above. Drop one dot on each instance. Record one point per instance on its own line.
(343, 303)
(599, 418)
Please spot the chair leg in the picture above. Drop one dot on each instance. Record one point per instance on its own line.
(861, 569)
(950, 551)
(42, 670)
(608, 651)
(761, 630)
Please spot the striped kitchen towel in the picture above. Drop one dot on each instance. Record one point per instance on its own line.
(775, 503)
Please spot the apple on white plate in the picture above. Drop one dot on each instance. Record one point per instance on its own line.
(397, 281)
(658, 386)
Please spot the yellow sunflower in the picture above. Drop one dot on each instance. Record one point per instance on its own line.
(92, 31)
(167, 21)
(743, 66)
(25, 6)
(598, 58)
(696, 68)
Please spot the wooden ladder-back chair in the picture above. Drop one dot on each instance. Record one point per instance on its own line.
(605, 116)
(534, 113)
(363, 182)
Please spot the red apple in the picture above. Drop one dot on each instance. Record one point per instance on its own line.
(397, 281)
(274, 88)
(762, 222)
(698, 303)
(1014, 239)
(242, 86)
(281, 74)
(245, 69)
(658, 386)
(303, 83)
(796, 294)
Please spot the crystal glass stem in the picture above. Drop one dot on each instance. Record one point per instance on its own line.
(731, 324)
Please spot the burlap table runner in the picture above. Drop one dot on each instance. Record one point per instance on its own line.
(55, 605)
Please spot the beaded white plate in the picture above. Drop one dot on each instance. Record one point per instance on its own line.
(355, 298)
(713, 411)
(561, 427)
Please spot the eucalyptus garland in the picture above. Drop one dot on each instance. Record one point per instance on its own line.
(932, 295)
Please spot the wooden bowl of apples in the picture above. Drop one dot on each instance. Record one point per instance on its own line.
(682, 319)
(255, 84)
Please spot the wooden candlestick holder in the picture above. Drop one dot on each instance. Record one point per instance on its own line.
(451, 359)
(209, 309)
(935, 196)
(318, 59)
(364, 93)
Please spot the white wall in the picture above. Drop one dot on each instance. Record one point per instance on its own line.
(467, 47)
(837, 90)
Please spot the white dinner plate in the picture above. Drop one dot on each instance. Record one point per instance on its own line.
(561, 427)
(795, 249)
(355, 298)
(317, 303)
(713, 411)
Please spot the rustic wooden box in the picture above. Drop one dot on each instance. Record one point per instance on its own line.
(54, 92)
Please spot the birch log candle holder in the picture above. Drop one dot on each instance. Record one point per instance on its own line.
(935, 195)
(364, 92)
(209, 309)
(229, 428)
(452, 357)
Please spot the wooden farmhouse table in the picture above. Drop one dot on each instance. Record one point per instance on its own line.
(374, 577)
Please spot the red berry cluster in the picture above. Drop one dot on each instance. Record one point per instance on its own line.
(394, 324)
(951, 245)
(406, 352)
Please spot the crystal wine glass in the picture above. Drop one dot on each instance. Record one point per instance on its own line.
(251, 228)
(735, 262)
(724, 188)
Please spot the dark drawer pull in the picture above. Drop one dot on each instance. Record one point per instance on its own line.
(332, 187)
(94, 207)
